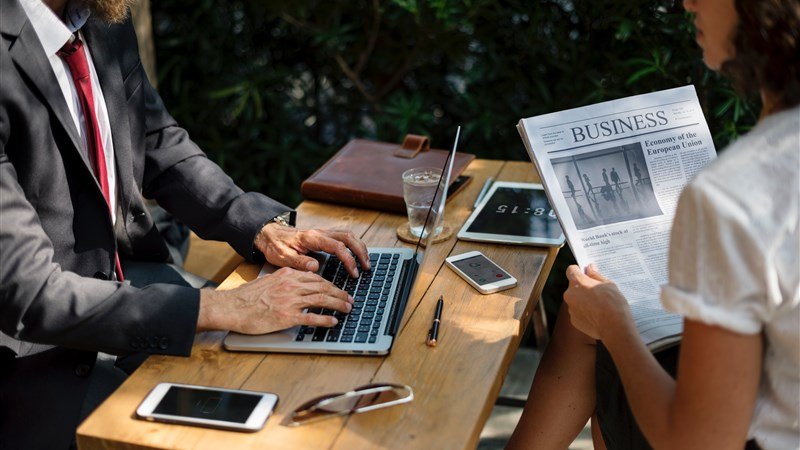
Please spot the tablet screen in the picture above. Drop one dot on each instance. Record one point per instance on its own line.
(516, 211)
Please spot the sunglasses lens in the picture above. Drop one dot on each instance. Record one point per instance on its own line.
(301, 417)
(307, 405)
(365, 398)
(383, 397)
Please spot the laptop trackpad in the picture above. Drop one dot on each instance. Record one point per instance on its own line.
(238, 341)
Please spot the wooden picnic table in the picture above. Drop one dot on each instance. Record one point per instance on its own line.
(455, 384)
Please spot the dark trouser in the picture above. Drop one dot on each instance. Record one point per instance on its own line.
(615, 418)
(614, 415)
(141, 274)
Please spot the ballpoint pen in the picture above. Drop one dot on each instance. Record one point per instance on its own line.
(483, 191)
(433, 335)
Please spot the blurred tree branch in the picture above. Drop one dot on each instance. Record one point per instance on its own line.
(354, 74)
(142, 22)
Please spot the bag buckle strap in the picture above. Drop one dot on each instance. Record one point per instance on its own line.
(412, 144)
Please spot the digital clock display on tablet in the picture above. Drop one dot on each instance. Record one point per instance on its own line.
(514, 211)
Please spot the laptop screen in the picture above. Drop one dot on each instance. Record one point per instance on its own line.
(435, 218)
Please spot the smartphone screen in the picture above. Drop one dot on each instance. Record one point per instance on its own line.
(208, 404)
(481, 270)
(460, 181)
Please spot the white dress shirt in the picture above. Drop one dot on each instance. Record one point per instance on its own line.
(734, 262)
(53, 34)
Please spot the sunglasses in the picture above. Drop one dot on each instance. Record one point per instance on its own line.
(359, 400)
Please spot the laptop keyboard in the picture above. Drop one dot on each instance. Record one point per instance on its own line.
(371, 294)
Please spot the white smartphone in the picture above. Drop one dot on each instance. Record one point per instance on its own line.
(480, 272)
(229, 409)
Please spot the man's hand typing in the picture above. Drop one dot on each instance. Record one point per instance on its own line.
(288, 247)
(271, 303)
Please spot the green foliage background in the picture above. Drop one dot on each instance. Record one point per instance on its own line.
(271, 89)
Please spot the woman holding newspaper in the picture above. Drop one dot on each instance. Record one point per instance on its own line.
(734, 276)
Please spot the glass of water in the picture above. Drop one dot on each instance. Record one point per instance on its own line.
(419, 188)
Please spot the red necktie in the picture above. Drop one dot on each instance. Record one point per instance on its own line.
(74, 55)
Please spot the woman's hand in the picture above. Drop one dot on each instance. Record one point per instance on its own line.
(596, 306)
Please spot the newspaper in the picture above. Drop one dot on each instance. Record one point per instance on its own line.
(613, 173)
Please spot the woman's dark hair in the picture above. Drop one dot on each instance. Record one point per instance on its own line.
(767, 44)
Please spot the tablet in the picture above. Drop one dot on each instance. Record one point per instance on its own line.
(514, 213)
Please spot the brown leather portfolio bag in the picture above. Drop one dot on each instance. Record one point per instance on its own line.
(368, 174)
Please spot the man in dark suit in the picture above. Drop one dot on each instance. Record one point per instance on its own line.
(84, 138)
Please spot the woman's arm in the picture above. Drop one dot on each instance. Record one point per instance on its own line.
(711, 403)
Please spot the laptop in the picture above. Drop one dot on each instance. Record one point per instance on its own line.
(381, 296)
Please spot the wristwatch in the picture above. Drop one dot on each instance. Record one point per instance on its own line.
(283, 219)
(286, 219)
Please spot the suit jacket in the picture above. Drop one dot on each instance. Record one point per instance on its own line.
(57, 241)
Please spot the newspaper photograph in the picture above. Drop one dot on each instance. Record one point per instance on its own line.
(613, 172)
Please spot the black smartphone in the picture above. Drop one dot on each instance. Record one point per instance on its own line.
(229, 409)
(457, 185)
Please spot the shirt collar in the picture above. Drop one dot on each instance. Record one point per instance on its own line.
(52, 32)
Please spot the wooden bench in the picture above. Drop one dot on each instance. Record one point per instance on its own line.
(211, 260)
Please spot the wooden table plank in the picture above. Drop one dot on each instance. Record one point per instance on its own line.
(524, 171)
(446, 381)
(455, 383)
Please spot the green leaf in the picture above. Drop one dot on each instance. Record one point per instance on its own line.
(639, 74)
(227, 91)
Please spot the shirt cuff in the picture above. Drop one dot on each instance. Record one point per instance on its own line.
(692, 306)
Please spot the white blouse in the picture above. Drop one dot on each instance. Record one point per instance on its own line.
(733, 262)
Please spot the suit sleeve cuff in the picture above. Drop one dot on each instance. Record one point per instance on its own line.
(172, 331)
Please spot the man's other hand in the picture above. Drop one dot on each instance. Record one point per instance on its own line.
(272, 303)
(289, 247)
